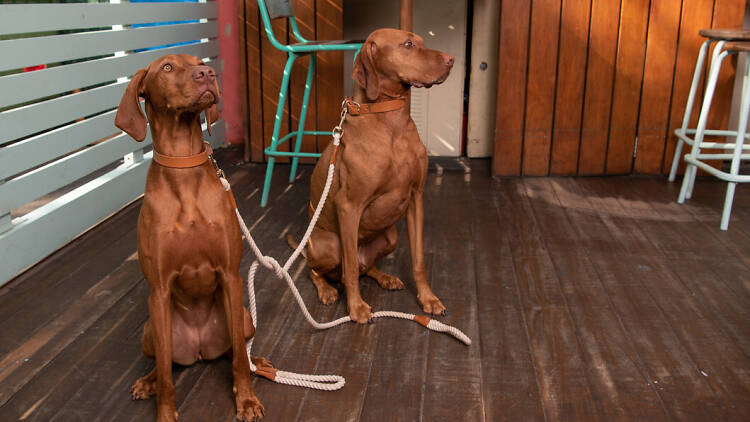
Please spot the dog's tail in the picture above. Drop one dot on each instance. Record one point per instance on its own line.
(294, 244)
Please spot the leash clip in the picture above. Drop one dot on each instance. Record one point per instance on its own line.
(219, 171)
(338, 131)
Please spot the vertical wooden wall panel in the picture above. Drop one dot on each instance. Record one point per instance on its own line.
(696, 14)
(304, 11)
(273, 62)
(511, 86)
(254, 83)
(600, 75)
(634, 15)
(571, 71)
(661, 48)
(623, 72)
(540, 91)
(330, 26)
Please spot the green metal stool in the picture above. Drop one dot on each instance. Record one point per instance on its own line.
(274, 9)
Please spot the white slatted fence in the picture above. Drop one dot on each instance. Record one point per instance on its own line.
(57, 124)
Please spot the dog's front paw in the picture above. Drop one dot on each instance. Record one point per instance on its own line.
(249, 408)
(431, 304)
(360, 312)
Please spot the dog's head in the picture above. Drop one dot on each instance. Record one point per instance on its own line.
(175, 84)
(392, 60)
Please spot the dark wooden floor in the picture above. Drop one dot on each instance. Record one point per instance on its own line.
(587, 299)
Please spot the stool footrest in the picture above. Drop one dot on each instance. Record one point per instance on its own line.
(712, 145)
(304, 132)
(273, 153)
(271, 149)
(716, 172)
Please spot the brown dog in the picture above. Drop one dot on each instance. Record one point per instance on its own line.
(189, 241)
(380, 174)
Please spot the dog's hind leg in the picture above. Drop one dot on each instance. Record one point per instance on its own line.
(326, 293)
(145, 387)
(386, 281)
(377, 248)
(323, 253)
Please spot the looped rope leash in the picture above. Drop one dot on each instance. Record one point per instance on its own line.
(320, 382)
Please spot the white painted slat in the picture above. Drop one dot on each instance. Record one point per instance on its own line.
(39, 182)
(48, 178)
(65, 218)
(33, 118)
(39, 149)
(22, 87)
(19, 53)
(21, 18)
(44, 230)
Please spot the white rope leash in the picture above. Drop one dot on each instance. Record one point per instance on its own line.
(320, 382)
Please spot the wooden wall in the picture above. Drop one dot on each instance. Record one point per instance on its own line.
(580, 80)
(263, 67)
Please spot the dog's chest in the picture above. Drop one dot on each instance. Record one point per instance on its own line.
(190, 229)
(394, 194)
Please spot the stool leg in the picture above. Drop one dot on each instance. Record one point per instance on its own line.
(277, 127)
(735, 169)
(303, 115)
(689, 107)
(718, 58)
(713, 76)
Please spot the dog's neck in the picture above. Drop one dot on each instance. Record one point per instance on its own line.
(175, 134)
(402, 92)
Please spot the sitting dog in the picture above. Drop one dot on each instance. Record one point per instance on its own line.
(189, 240)
(380, 174)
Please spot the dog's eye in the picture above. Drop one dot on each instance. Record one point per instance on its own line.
(409, 44)
(167, 67)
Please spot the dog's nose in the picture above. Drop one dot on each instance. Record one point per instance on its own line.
(202, 73)
(448, 59)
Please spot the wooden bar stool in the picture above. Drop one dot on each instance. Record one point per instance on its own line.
(684, 134)
(734, 151)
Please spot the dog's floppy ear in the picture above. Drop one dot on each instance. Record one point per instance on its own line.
(364, 72)
(129, 116)
(212, 115)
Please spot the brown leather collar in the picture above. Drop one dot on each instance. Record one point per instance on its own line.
(355, 108)
(184, 162)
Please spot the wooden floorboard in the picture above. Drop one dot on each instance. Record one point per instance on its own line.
(509, 387)
(453, 280)
(598, 326)
(585, 298)
(565, 382)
